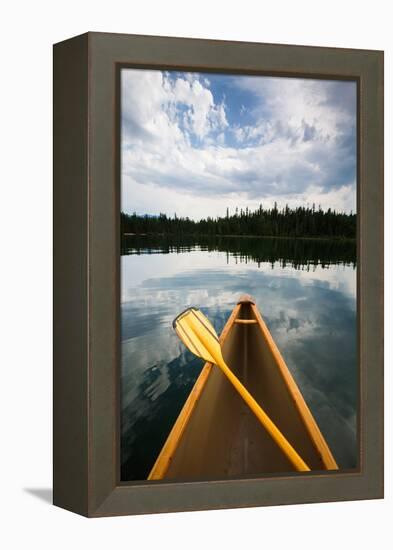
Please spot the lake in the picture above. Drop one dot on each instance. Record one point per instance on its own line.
(306, 293)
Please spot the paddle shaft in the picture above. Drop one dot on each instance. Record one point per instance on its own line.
(264, 419)
(201, 339)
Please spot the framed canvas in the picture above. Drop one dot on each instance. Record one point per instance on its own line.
(233, 192)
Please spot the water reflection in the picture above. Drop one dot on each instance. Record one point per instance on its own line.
(294, 252)
(309, 306)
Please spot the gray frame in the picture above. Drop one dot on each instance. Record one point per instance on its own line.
(86, 273)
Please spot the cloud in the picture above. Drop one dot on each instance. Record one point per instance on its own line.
(161, 108)
(287, 140)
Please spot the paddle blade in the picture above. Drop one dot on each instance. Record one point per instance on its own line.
(198, 335)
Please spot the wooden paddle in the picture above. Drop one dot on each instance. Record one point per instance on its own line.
(198, 335)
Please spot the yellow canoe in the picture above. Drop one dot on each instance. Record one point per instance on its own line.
(217, 436)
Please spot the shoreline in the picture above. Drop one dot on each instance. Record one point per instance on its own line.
(283, 237)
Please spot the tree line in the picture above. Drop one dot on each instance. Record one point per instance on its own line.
(273, 222)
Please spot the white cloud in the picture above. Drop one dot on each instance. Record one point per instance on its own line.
(175, 153)
(297, 102)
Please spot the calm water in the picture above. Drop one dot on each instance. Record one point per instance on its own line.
(306, 292)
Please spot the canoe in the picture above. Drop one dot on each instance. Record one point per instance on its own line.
(217, 436)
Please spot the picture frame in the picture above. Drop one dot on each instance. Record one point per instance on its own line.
(86, 418)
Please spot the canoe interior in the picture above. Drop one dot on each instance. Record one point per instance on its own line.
(222, 438)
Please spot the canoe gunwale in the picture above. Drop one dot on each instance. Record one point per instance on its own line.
(163, 460)
(312, 427)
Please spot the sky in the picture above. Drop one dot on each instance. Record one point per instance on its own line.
(196, 143)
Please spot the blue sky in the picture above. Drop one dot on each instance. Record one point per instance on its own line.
(196, 143)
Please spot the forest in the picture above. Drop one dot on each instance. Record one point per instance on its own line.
(272, 222)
